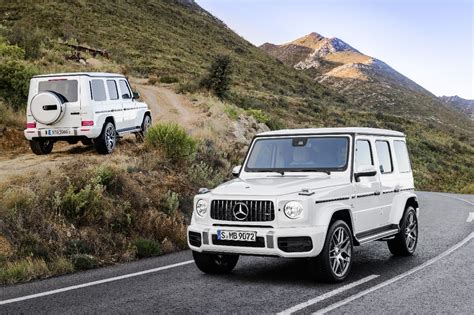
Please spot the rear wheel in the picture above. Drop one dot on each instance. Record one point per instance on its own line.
(404, 243)
(105, 143)
(41, 146)
(335, 261)
(215, 263)
(145, 125)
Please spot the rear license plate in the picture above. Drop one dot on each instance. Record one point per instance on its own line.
(224, 235)
(57, 132)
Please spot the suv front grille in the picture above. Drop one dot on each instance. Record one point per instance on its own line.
(255, 210)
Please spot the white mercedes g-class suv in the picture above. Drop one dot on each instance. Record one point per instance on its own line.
(88, 107)
(309, 193)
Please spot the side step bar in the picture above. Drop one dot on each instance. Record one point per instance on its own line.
(376, 234)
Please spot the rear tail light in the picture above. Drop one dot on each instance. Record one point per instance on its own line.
(30, 125)
(87, 123)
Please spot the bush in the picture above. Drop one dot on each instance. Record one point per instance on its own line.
(147, 248)
(23, 270)
(83, 262)
(258, 115)
(170, 202)
(30, 40)
(218, 79)
(76, 204)
(168, 79)
(172, 139)
(14, 82)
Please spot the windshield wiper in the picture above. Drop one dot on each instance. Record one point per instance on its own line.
(310, 170)
(281, 172)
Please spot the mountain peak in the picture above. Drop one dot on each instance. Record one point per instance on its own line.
(312, 40)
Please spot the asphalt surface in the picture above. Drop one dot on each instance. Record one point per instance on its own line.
(272, 285)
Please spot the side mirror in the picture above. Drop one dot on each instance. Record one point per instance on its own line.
(236, 171)
(365, 171)
(135, 95)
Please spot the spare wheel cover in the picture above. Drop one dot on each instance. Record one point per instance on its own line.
(47, 108)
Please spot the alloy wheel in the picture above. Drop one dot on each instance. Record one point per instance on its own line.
(411, 231)
(110, 137)
(340, 252)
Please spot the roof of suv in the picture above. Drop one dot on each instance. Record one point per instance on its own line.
(345, 130)
(88, 74)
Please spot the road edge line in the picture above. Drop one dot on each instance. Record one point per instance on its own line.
(327, 295)
(89, 284)
(394, 279)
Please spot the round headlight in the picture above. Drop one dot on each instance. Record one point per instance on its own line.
(201, 207)
(293, 209)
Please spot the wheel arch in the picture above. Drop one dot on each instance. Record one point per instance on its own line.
(338, 212)
(399, 205)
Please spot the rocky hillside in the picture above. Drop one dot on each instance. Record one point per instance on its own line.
(365, 80)
(466, 106)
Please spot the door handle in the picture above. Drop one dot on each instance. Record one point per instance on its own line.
(377, 192)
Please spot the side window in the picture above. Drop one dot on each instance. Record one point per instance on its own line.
(363, 154)
(112, 88)
(124, 90)
(401, 153)
(385, 157)
(98, 90)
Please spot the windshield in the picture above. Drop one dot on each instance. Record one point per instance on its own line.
(298, 154)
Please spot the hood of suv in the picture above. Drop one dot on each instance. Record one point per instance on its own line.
(275, 185)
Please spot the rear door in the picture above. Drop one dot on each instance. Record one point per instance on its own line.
(367, 205)
(388, 176)
(128, 105)
(102, 102)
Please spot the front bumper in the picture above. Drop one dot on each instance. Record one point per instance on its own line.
(273, 240)
(91, 132)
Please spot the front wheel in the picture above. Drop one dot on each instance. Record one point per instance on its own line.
(41, 147)
(404, 243)
(215, 263)
(105, 143)
(335, 260)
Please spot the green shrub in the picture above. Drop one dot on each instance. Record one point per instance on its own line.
(173, 140)
(23, 270)
(258, 115)
(76, 203)
(84, 262)
(14, 82)
(147, 248)
(168, 79)
(170, 202)
(31, 40)
(11, 51)
(231, 112)
(218, 80)
(31, 246)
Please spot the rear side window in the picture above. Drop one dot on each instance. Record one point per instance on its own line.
(401, 153)
(66, 89)
(98, 90)
(124, 90)
(385, 157)
(363, 154)
(112, 87)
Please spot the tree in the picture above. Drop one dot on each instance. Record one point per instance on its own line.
(218, 79)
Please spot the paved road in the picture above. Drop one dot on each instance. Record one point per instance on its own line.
(438, 279)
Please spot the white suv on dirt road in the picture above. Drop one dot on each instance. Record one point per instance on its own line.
(309, 193)
(88, 107)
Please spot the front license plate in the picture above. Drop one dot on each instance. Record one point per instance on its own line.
(57, 132)
(236, 236)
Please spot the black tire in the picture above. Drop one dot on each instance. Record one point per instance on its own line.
(105, 143)
(404, 243)
(334, 263)
(41, 147)
(215, 263)
(146, 123)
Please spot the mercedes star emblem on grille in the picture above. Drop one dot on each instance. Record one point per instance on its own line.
(240, 211)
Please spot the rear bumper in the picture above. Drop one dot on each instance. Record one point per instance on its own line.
(282, 242)
(62, 133)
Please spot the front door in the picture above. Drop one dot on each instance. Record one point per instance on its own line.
(367, 206)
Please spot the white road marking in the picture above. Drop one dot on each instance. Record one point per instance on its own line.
(327, 295)
(470, 217)
(457, 198)
(399, 277)
(89, 284)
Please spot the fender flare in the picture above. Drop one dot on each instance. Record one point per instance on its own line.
(326, 213)
(399, 204)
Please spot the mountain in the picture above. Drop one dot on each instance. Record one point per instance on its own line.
(466, 106)
(368, 82)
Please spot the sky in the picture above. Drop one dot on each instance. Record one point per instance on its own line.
(431, 42)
